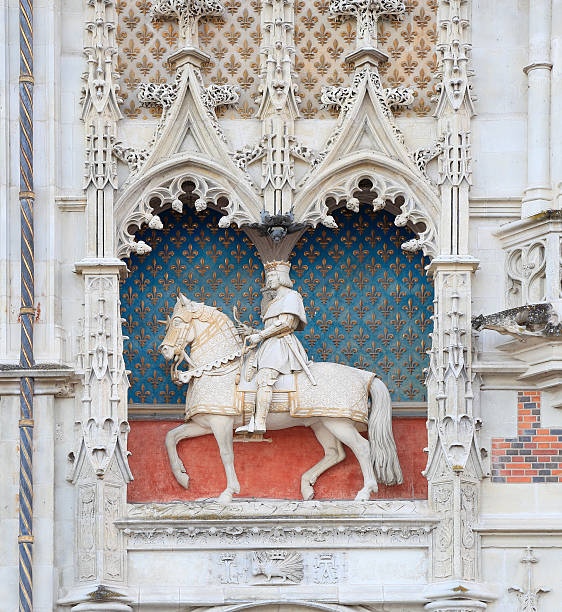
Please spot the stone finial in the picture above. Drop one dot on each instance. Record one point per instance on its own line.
(367, 13)
(188, 13)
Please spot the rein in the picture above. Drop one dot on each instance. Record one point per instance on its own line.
(199, 342)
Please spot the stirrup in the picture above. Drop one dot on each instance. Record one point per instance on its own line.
(249, 428)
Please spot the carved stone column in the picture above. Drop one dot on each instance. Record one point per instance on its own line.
(538, 194)
(278, 105)
(99, 468)
(454, 467)
(98, 462)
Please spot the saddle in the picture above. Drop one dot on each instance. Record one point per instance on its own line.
(284, 392)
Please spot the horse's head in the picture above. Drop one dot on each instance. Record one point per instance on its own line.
(179, 329)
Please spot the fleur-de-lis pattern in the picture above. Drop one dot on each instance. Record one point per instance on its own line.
(192, 255)
(368, 302)
(233, 40)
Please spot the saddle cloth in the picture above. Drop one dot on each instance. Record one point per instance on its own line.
(285, 383)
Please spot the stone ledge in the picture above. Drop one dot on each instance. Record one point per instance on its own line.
(269, 508)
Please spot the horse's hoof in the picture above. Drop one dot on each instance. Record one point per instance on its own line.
(225, 497)
(363, 495)
(307, 491)
(183, 479)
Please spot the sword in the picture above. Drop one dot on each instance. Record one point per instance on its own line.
(297, 355)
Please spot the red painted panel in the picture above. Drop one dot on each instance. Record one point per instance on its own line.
(267, 470)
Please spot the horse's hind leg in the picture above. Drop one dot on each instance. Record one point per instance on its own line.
(345, 430)
(333, 454)
(187, 430)
(222, 427)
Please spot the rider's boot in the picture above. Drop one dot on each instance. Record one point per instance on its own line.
(248, 428)
(264, 396)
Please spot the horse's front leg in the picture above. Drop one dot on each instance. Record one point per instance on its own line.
(222, 427)
(187, 430)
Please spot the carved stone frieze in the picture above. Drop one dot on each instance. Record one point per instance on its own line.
(246, 524)
(274, 508)
(149, 535)
(279, 566)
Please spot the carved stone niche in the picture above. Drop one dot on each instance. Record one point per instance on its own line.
(533, 271)
(275, 549)
(533, 283)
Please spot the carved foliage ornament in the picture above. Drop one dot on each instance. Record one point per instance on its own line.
(188, 13)
(367, 13)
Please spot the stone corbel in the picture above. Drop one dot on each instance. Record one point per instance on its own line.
(536, 332)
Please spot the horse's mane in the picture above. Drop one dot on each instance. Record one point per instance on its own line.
(205, 312)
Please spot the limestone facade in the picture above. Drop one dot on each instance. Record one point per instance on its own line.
(292, 128)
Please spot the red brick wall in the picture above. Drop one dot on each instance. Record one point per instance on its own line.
(535, 455)
(266, 469)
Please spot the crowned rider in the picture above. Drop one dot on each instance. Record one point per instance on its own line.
(279, 351)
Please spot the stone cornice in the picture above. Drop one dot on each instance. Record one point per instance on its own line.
(50, 379)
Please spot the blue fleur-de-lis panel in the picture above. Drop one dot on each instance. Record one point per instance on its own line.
(368, 302)
(208, 264)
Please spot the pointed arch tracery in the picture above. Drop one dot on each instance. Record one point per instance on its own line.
(393, 186)
(164, 186)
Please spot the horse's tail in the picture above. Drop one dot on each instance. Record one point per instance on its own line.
(381, 439)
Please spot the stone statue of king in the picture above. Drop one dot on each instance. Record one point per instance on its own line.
(278, 350)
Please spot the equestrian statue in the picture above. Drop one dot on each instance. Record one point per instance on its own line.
(238, 372)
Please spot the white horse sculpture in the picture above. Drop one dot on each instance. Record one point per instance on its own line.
(336, 409)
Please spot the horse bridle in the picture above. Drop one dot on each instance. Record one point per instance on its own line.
(180, 340)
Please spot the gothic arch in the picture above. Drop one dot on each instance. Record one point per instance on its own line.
(390, 180)
(164, 184)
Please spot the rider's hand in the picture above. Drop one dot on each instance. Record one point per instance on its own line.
(184, 377)
(244, 330)
(254, 339)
